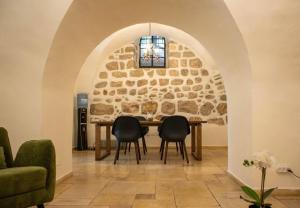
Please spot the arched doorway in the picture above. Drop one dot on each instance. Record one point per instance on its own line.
(84, 27)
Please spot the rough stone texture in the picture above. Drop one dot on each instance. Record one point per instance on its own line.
(132, 92)
(126, 56)
(150, 73)
(169, 95)
(194, 72)
(149, 107)
(223, 97)
(112, 92)
(173, 73)
(113, 65)
(130, 83)
(116, 83)
(176, 82)
(198, 79)
(122, 91)
(143, 91)
(163, 82)
(206, 109)
(153, 82)
(183, 62)
(195, 63)
(130, 107)
(96, 92)
(189, 82)
(119, 74)
(187, 106)
(197, 87)
(168, 108)
(103, 75)
(101, 109)
(161, 72)
(142, 82)
(192, 95)
(174, 54)
(188, 54)
(129, 49)
(184, 72)
(187, 86)
(130, 64)
(101, 84)
(204, 72)
(222, 108)
(173, 63)
(137, 73)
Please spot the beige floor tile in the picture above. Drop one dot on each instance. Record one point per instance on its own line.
(154, 204)
(114, 200)
(199, 184)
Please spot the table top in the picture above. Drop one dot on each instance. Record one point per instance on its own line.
(145, 123)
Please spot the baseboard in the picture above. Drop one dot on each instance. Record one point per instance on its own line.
(64, 177)
(277, 192)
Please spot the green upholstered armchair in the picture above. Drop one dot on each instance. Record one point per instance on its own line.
(29, 180)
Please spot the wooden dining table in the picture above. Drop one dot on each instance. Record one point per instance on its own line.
(102, 151)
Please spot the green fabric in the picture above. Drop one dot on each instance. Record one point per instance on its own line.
(25, 200)
(2, 158)
(4, 142)
(21, 180)
(39, 153)
(21, 184)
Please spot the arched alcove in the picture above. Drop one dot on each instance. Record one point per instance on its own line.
(202, 86)
(86, 25)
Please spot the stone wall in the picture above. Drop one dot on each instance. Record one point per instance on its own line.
(186, 87)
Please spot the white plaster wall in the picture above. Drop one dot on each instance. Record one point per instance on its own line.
(26, 34)
(271, 32)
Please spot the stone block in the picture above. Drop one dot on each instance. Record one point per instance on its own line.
(113, 65)
(187, 106)
(149, 107)
(206, 108)
(101, 109)
(119, 74)
(168, 108)
(130, 107)
(195, 63)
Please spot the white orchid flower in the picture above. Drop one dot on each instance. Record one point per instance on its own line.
(263, 159)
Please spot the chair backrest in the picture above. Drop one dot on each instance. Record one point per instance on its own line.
(174, 127)
(4, 142)
(126, 128)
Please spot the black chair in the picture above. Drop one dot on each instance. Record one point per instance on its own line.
(127, 129)
(161, 144)
(174, 129)
(145, 130)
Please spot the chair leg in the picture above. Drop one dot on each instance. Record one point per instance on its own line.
(176, 146)
(138, 146)
(161, 145)
(181, 150)
(117, 152)
(129, 146)
(186, 155)
(136, 152)
(166, 153)
(125, 148)
(144, 145)
(40, 206)
(162, 149)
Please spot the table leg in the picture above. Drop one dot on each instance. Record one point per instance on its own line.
(98, 150)
(97, 142)
(193, 138)
(198, 151)
(108, 140)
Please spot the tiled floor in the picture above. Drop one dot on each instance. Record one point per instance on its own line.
(152, 184)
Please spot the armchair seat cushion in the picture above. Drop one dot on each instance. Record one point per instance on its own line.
(21, 180)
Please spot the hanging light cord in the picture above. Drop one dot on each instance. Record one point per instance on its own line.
(290, 171)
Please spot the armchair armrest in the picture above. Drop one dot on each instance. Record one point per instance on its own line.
(39, 153)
